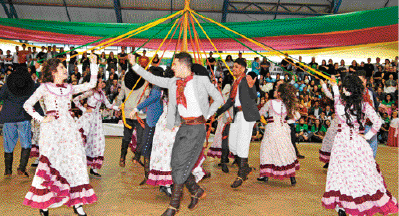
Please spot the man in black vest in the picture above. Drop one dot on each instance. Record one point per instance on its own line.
(243, 97)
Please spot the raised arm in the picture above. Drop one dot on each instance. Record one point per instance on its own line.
(156, 80)
(77, 100)
(93, 78)
(374, 118)
(28, 105)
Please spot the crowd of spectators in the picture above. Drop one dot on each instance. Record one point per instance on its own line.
(316, 109)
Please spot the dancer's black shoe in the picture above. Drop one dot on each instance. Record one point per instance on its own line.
(96, 174)
(264, 179)
(75, 209)
(341, 213)
(293, 181)
(326, 166)
(43, 213)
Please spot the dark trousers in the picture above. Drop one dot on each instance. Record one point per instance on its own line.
(225, 144)
(127, 136)
(148, 138)
(186, 150)
(293, 138)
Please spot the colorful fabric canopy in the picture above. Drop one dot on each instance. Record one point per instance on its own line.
(365, 27)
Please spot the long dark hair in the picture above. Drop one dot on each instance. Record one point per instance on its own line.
(353, 103)
(288, 95)
(48, 68)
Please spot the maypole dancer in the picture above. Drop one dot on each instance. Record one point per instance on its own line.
(277, 154)
(355, 184)
(160, 170)
(220, 144)
(92, 127)
(242, 97)
(188, 104)
(61, 177)
(327, 144)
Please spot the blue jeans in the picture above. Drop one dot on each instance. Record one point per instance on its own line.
(11, 132)
(373, 141)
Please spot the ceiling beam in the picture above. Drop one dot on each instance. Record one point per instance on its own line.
(224, 10)
(118, 12)
(66, 8)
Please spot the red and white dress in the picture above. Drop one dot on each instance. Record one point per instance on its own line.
(393, 133)
(277, 154)
(354, 180)
(161, 155)
(61, 177)
(327, 144)
(215, 150)
(92, 126)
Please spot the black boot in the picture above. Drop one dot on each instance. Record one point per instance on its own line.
(96, 174)
(225, 169)
(8, 159)
(125, 145)
(224, 160)
(264, 179)
(43, 213)
(146, 170)
(23, 162)
(341, 213)
(293, 181)
(236, 160)
(174, 205)
(136, 158)
(195, 190)
(165, 189)
(326, 166)
(243, 172)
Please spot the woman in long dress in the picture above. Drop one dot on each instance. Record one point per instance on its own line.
(277, 154)
(61, 177)
(327, 143)
(355, 184)
(393, 131)
(91, 125)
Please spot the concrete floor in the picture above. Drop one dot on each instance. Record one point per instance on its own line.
(119, 193)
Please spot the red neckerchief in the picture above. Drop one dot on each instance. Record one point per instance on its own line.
(234, 89)
(181, 84)
(60, 85)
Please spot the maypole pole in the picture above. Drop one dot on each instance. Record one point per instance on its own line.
(185, 25)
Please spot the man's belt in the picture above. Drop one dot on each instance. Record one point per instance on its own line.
(193, 120)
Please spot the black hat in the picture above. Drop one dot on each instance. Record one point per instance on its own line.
(157, 71)
(199, 70)
(20, 82)
(169, 72)
(131, 79)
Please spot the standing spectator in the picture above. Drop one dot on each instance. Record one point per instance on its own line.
(54, 52)
(210, 63)
(323, 67)
(85, 61)
(378, 75)
(313, 64)
(386, 64)
(76, 73)
(72, 61)
(15, 58)
(353, 67)
(377, 63)
(299, 70)
(264, 67)
(8, 60)
(112, 62)
(122, 57)
(155, 61)
(22, 56)
(331, 68)
(256, 66)
(41, 56)
(49, 53)
(143, 60)
(62, 56)
(369, 68)
(240, 57)
(2, 57)
(103, 62)
(361, 66)
(286, 63)
(343, 70)
(383, 133)
(33, 57)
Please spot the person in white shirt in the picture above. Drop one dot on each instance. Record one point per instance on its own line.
(15, 57)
